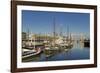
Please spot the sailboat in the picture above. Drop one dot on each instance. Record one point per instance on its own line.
(31, 49)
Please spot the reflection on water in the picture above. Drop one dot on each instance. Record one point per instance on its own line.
(77, 52)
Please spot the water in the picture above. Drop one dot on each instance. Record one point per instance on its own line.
(77, 52)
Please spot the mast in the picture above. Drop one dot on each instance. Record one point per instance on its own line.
(67, 32)
(34, 41)
(54, 31)
(28, 36)
(70, 38)
(61, 30)
(31, 38)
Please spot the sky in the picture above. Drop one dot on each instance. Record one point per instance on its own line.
(43, 21)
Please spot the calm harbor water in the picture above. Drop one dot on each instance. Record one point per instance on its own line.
(77, 52)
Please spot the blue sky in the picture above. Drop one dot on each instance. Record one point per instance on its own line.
(42, 21)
